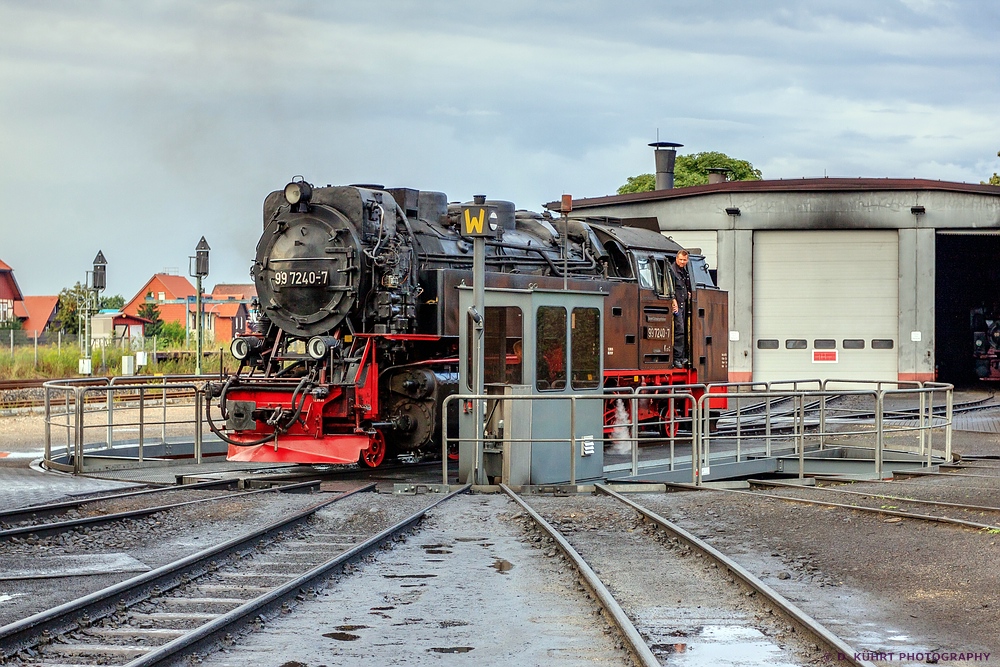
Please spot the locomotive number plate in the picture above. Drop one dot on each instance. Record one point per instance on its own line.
(301, 278)
(657, 333)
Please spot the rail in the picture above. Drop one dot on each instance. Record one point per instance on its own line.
(107, 422)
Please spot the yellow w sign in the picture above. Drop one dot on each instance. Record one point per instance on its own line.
(473, 222)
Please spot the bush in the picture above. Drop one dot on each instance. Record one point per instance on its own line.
(172, 334)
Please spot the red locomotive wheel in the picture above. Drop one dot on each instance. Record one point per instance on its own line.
(375, 454)
(669, 423)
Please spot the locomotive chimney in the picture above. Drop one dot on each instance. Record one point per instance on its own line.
(478, 200)
(665, 152)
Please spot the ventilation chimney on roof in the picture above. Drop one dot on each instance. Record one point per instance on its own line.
(665, 153)
(717, 175)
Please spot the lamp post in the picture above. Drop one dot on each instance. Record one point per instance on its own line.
(200, 271)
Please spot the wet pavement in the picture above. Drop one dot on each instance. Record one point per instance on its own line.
(466, 583)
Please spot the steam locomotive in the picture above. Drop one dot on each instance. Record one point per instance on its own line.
(355, 343)
(985, 325)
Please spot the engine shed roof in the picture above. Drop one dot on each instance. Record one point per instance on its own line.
(786, 185)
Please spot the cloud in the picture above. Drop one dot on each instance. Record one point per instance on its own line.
(138, 127)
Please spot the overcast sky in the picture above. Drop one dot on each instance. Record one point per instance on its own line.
(137, 127)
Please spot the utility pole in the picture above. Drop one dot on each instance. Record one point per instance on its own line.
(480, 222)
(93, 285)
(200, 271)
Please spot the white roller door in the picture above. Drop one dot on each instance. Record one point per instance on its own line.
(706, 241)
(825, 304)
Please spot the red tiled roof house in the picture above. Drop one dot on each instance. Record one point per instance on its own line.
(163, 287)
(10, 293)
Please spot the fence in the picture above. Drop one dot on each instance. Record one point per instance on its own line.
(799, 418)
(104, 423)
(56, 354)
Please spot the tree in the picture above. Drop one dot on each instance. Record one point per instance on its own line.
(70, 301)
(690, 170)
(115, 302)
(151, 312)
(994, 179)
(640, 183)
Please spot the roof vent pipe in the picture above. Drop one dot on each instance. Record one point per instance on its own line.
(665, 153)
(717, 175)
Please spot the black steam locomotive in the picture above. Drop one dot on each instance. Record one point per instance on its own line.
(985, 325)
(355, 344)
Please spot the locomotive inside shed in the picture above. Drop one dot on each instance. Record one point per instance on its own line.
(967, 308)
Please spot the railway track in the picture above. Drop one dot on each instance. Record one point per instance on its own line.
(34, 512)
(663, 590)
(57, 527)
(652, 627)
(885, 504)
(199, 601)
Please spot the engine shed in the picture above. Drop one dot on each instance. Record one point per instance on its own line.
(867, 278)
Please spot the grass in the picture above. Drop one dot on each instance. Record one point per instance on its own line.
(55, 363)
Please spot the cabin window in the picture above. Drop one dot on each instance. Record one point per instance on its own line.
(503, 334)
(645, 272)
(618, 260)
(550, 345)
(586, 344)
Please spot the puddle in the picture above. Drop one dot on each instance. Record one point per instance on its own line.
(382, 608)
(4, 597)
(438, 551)
(470, 539)
(723, 645)
(434, 560)
(501, 565)
(452, 624)
(434, 546)
(408, 576)
(351, 628)
(452, 649)
(294, 663)
(342, 636)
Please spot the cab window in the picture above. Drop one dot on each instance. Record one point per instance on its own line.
(663, 278)
(645, 270)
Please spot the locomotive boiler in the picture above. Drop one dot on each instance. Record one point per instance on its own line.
(355, 341)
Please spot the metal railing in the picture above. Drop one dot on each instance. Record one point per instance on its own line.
(142, 418)
(761, 420)
(123, 418)
(570, 442)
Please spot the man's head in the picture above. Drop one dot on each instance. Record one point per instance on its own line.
(682, 258)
